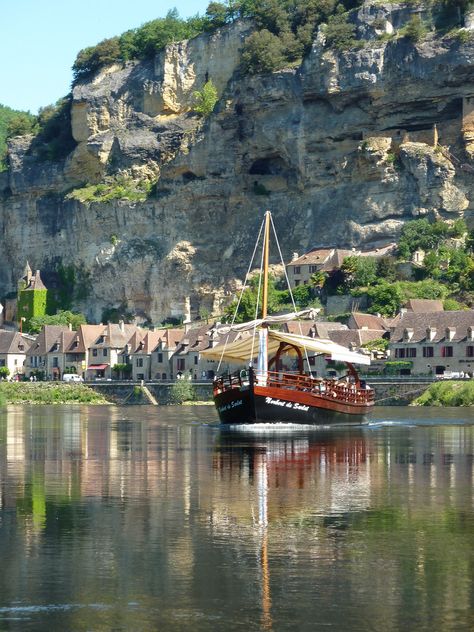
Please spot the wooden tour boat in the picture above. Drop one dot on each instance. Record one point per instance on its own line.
(266, 395)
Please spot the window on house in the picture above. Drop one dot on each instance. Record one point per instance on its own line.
(181, 364)
(160, 357)
(428, 352)
(140, 376)
(446, 352)
(411, 352)
(196, 359)
(312, 360)
(139, 362)
(2, 363)
(55, 362)
(297, 270)
(400, 353)
(470, 351)
(105, 351)
(297, 282)
(313, 269)
(163, 376)
(94, 352)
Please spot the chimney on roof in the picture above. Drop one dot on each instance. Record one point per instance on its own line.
(122, 326)
(450, 332)
(430, 333)
(407, 334)
(70, 326)
(294, 256)
(470, 334)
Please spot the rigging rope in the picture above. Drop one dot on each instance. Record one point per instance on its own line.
(241, 293)
(288, 285)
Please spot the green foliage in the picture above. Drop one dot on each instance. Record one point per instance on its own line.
(359, 271)
(22, 124)
(285, 31)
(278, 300)
(182, 391)
(448, 393)
(379, 344)
(428, 289)
(415, 30)
(54, 140)
(205, 99)
(421, 234)
(394, 368)
(13, 123)
(262, 53)
(385, 298)
(61, 318)
(451, 305)
(31, 304)
(141, 43)
(49, 393)
(4, 372)
(122, 369)
(340, 34)
(113, 188)
(387, 268)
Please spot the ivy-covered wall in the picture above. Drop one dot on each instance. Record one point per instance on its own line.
(31, 303)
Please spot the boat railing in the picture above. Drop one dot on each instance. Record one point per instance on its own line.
(342, 390)
(327, 388)
(228, 381)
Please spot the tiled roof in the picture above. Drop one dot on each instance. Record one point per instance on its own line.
(46, 339)
(322, 328)
(195, 339)
(424, 305)
(355, 337)
(313, 257)
(11, 341)
(169, 339)
(366, 321)
(299, 327)
(438, 321)
(35, 282)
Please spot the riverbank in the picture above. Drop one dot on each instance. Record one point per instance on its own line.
(48, 393)
(452, 393)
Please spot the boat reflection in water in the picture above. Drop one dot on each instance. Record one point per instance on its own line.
(274, 460)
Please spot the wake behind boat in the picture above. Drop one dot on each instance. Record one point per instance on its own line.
(265, 394)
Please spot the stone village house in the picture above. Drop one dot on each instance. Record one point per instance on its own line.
(13, 348)
(434, 342)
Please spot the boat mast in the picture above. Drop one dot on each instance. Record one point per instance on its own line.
(266, 248)
(262, 370)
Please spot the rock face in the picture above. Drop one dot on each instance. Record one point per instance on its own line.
(341, 150)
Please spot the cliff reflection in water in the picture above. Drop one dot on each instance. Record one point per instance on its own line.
(132, 522)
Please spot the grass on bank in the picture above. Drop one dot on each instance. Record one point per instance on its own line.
(48, 393)
(450, 393)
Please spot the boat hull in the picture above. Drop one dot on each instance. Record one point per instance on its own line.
(262, 404)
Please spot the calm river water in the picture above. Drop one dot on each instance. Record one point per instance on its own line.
(145, 518)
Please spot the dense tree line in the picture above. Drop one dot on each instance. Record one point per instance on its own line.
(285, 30)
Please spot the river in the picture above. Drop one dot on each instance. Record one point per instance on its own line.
(155, 518)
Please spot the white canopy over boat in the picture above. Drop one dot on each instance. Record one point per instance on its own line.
(243, 349)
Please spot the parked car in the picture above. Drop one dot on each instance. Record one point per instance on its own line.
(72, 377)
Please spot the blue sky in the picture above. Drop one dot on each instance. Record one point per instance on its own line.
(39, 41)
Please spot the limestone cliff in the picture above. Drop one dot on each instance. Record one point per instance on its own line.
(342, 150)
